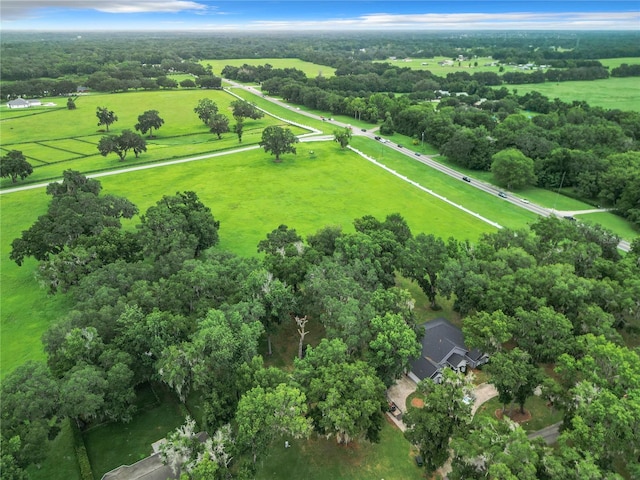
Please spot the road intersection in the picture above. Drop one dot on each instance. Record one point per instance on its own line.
(317, 135)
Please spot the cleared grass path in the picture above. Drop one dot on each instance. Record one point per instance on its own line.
(424, 189)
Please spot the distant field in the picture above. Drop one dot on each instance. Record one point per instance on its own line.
(621, 93)
(612, 93)
(311, 70)
(616, 62)
(431, 64)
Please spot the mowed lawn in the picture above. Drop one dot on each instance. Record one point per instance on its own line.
(54, 139)
(320, 458)
(311, 70)
(250, 195)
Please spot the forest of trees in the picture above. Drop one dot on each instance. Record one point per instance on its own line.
(161, 304)
(589, 150)
(164, 304)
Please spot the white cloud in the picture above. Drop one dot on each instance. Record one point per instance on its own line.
(16, 9)
(467, 21)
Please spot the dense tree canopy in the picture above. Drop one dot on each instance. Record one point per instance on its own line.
(76, 209)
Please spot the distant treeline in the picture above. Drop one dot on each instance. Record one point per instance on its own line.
(53, 55)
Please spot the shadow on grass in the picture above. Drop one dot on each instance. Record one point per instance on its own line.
(541, 415)
(323, 459)
(113, 444)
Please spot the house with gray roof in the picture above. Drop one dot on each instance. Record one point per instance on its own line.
(443, 346)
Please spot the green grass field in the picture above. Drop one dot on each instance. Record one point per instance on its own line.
(612, 93)
(311, 70)
(249, 194)
(55, 139)
(323, 459)
(61, 463)
(431, 64)
(115, 444)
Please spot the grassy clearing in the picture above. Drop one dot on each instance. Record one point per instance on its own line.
(249, 194)
(541, 415)
(61, 463)
(311, 70)
(322, 459)
(115, 444)
(612, 93)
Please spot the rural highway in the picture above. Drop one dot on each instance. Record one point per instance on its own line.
(426, 160)
(315, 136)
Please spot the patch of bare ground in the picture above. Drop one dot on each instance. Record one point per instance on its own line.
(515, 415)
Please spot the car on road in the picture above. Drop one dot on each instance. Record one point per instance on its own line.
(466, 179)
(570, 218)
(363, 129)
(524, 200)
(399, 146)
(377, 137)
(417, 154)
(502, 195)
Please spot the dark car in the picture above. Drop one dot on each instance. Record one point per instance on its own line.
(502, 194)
(399, 146)
(466, 179)
(570, 218)
(419, 460)
(363, 129)
(417, 154)
(376, 137)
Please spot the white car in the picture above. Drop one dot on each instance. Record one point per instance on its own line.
(524, 200)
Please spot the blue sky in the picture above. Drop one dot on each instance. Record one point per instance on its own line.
(296, 15)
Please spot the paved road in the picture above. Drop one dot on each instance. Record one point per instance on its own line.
(315, 136)
(549, 434)
(428, 160)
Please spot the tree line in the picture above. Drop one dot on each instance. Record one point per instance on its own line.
(161, 304)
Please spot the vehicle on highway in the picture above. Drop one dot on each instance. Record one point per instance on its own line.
(502, 194)
(376, 137)
(524, 200)
(399, 146)
(417, 154)
(466, 179)
(363, 129)
(570, 218)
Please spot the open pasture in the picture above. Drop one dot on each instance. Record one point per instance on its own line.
(250, 195)
(311, 70)
(56, 139)
(612, 93)
(484, 64)
(616, 62)
(320, 458)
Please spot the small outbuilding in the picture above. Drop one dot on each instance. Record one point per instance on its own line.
(18, 103)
